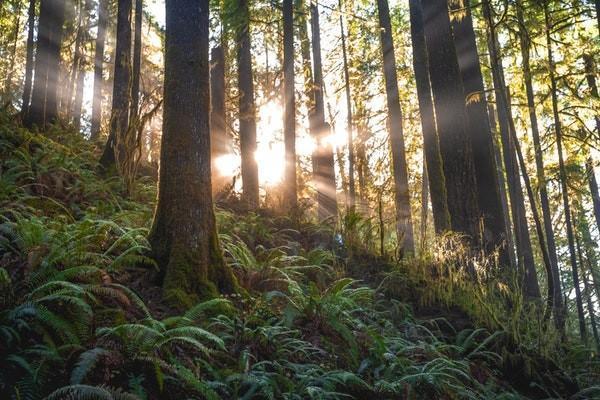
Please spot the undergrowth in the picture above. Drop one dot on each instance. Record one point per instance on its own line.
(324, 318)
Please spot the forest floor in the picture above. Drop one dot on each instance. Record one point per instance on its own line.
(81, 315)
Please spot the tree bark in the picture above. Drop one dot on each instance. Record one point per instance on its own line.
(184, 236)
(455, 146)
(98, 70)
(431, 146)
(526, 265)
(220, 141)
(43, 109)
(479, 130)
(247, 108)
(11, 68)
(590, 75)
(404, 226)
(137, 58)
(324, 170)
(119, 119)
(289, 120)
(349, 119)
(563, 175)
(29, 58)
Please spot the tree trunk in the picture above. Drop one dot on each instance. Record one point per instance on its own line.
(247, 108)
(479, 130)
(563, 175)
(559, 312)
(184, 235)
(220, 141)
(137, 59)
(43, 109)
(502, 186)
(455, 146)
(77, 106)
(590, 304)
(349, 119)
(590, 74)
(98, 70)
(28, 58)
(424, 208)
(119, 119)
(403, 213)
(67, 99)
(324, 171)
(431, 146)
(289, 119)
(526, 265)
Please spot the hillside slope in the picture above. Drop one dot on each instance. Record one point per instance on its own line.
(81, 315)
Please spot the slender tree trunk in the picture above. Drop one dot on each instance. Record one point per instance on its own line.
(324, 173)
(590, 74)
(43, 109)
(76, 110)
(403, 213)
(220, 141)
(29, 58)
(184, 235)
(424, 207)
(98, 70)
(559, 312)
(349, 119)
(590, 305)
(526, 265)
(119, 119)
(247, 108)
(478, 129)
(431, 146)
(502, 188)
(289, 126)
(455, 145)
(67, 99)
(563, 175)
(550, 298)
(137, 59)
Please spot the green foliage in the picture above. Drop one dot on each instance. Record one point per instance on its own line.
(79, 317)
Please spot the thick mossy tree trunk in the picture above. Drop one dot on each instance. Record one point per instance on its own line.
(479, 130)
(43, 109)
(400, 170)
(323, 167)
(563, 175)
(247, 107)
(220, 141)
(525, 44)
(99, 69)
(448, 98)
(29, 58)
(184, 236)
(525, 262)
(349, 119)
(431, 145)
(289, 104)
(121, 96)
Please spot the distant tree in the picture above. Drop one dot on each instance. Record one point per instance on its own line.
(119, 118)
(29, 58)
(289, 126)
(184, 236)
(99, 69)
(137, 59)
(323, 165)
(220, 141)
(400, 171)
(247, 106)
(43, 109)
